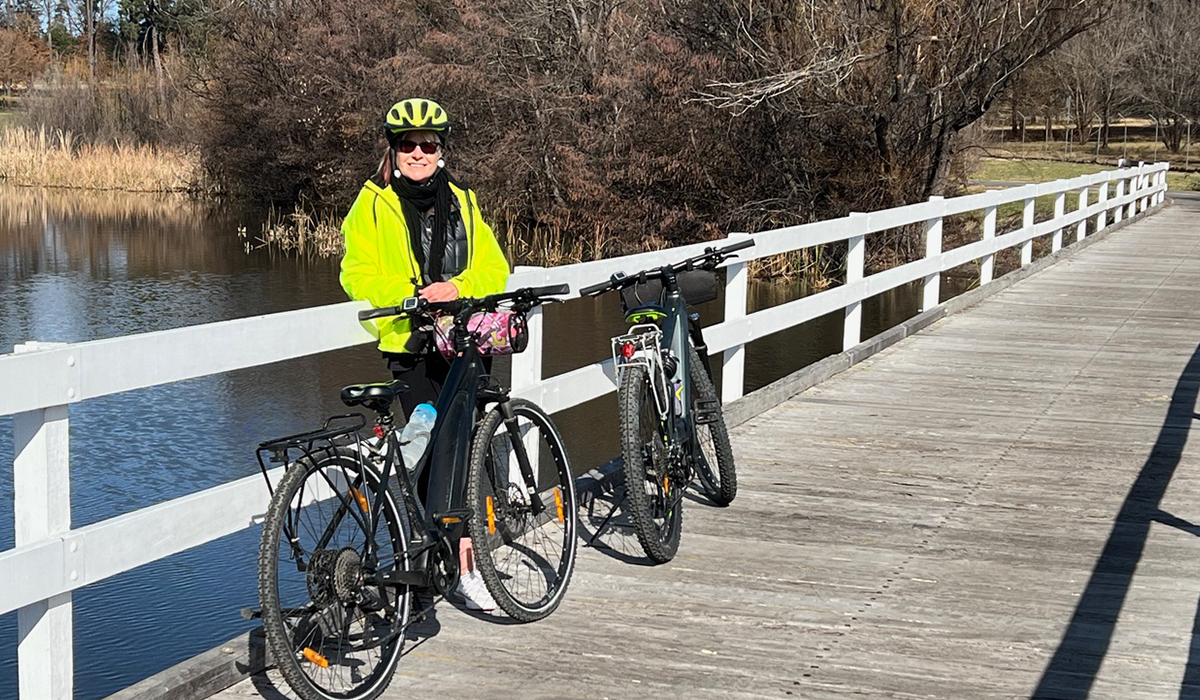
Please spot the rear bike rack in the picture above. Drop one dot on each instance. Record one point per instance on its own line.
(310, 444)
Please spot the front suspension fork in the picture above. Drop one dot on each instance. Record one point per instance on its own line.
(523, 463)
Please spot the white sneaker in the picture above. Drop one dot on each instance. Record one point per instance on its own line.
(474, 592)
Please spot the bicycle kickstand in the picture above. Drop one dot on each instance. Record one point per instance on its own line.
(611, 512)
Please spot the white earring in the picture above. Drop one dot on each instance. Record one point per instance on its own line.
(396, 172)
(441, 163)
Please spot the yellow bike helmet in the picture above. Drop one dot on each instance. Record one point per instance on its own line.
(415, 114)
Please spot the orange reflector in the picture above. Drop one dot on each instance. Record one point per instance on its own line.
(316, 658)
(362, 500)
(558, 502)
(666, 484)
(451, 519)
(491, 517)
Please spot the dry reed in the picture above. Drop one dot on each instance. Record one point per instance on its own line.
(304, 233)
(57, 159)
(318, 235)
(312, 234)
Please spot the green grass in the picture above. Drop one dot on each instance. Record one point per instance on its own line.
(1134, 150)
(1019, 170)
(1024, 170)
(1043, 208)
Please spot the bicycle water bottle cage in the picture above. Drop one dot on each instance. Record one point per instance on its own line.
(377, 397)
(645, 313)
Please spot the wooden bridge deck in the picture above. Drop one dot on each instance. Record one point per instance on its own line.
(998, 507)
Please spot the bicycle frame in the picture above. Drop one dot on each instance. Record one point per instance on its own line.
(447, 458)
(677, 329)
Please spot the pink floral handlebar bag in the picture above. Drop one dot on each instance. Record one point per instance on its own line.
(497, 332)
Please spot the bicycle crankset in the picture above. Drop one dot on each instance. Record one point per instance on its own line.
(443, 563)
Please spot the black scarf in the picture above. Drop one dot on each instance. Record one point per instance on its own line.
(415, 200)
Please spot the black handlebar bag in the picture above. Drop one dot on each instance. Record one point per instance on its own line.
(696, 287)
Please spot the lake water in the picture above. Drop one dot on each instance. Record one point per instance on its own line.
(78, 266)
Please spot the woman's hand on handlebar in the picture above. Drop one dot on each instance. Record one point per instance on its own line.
(439, 291)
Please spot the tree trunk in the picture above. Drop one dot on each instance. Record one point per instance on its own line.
(91, 32)
(49, 23)
(939, 174)
(1105, 125)
(158, 72)
(1015, 127)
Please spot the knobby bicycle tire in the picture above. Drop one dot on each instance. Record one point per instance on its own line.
(721, 486)
(653, 493)
(525, 558)
(332, 637)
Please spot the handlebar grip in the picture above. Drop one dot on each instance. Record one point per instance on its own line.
(740, 245)
(378, 313)
(407, 306)
(595, 289)
(550, 291)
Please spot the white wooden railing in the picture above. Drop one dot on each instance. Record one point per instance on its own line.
(40, 380)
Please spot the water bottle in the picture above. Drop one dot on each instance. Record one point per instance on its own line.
(414, 438)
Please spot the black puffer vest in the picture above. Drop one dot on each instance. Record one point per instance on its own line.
(454, 257)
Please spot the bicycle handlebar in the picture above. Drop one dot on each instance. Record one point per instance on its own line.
(418, 305)
(710, 257)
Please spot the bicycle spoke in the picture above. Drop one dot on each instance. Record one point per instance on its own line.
(333, 633)
(525, 557)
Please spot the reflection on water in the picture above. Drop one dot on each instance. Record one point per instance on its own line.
(79, 266)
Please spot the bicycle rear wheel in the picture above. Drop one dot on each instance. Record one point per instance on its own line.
(653, 493)
(331, 633)
(719, 484)
(524, 552)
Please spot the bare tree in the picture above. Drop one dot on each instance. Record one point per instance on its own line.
(917, 73)
(21, 56)
(1166, 68)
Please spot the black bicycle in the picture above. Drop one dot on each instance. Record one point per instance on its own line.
(671, 422)
(352, 533)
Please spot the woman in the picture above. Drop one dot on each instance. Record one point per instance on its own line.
(414, 230)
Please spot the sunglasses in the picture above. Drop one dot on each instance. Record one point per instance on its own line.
(427, 147)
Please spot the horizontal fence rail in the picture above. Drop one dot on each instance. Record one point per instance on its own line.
(40, 381)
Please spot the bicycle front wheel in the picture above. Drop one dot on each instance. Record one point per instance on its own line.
(654, 495)
(523, 533)
(714, 458)
(331, 632)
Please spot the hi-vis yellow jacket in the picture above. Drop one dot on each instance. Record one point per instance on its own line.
(379, 265)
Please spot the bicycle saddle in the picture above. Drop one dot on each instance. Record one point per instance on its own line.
(378, 397)
(645, 312)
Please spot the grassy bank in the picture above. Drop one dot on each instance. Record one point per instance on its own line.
(1021, 171)
(1024, 170)
(41, 158)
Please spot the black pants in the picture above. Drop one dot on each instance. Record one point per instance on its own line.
(425, 375)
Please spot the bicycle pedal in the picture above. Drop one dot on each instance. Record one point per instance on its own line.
(453, 517)
(707, 411)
